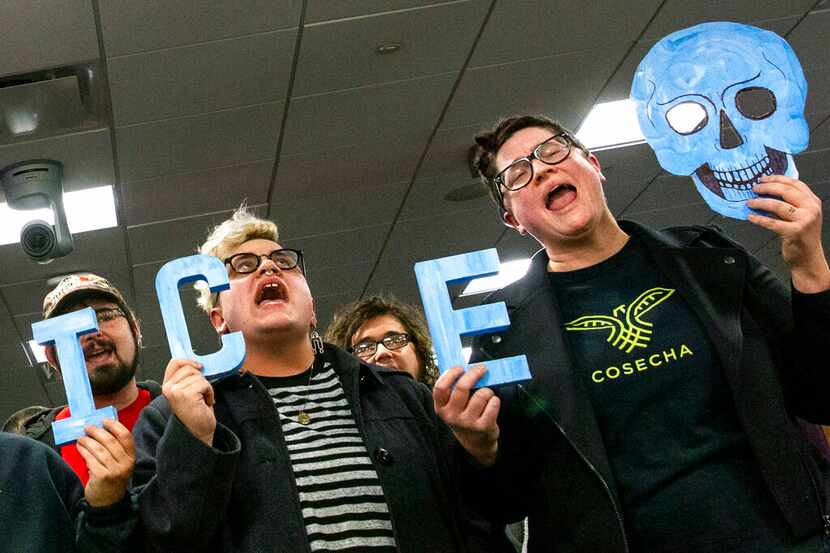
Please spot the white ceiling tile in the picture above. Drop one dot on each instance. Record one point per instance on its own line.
(813, 166)
(323, 10)
(195, 143)
(21, 388)
(530, 87)
(818, 89)
(130, 26)
(341, 54)
(350, 167)
(809, 39)
(370, 114)
(336, 212)
(169, 197)
(334, 280)
(340, 249)
(325, 306)
(448, 152)
(45, 34)
(665, 192)
(678, 14)
(201, 78)
(428, 197)
(820, 135)
(172, 239)
(530, 29)
(696, 214)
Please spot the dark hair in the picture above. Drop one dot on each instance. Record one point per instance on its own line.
(487, 144)
(350, 318)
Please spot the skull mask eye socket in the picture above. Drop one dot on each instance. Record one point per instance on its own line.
(755, 102)
(687, 117)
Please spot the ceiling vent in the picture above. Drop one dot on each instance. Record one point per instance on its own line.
(52, 102)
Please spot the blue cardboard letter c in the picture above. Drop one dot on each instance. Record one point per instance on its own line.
(189, 269)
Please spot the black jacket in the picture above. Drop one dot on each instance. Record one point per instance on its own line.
(552, 465)
(240, 494)
(39, 425)
(42, 510)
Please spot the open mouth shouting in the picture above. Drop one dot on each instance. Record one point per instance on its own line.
(270, 292)
(735, 185)
(97, 352)
(560, 196)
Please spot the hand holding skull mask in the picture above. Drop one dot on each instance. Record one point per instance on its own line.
(724, 103)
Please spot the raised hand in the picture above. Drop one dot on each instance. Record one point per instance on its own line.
(191, 398)
(471, 417)
(109, 454)
(796, 218)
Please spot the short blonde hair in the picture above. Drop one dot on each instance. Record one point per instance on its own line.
(240, 228)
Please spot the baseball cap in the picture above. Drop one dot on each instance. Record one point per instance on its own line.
(80, 284)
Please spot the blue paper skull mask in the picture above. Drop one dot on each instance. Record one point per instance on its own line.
(723, 103)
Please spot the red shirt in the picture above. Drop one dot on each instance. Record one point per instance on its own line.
(126, 416)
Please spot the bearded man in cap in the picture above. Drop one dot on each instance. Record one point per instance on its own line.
(112, 356)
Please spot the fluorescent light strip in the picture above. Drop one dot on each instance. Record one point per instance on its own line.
(86, 210)
(611, 125)
(38, 351)
(509, 272)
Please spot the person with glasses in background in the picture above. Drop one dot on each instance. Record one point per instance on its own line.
(308, 448)
(383, 330)
(667, 368)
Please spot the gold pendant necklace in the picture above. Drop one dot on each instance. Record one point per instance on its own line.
(302, 415)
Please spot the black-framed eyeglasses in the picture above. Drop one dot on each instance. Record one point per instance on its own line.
(107, 314)
(518, 174)
(285, 259)
(367, 348)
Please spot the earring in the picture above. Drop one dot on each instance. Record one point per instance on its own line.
(316, 341)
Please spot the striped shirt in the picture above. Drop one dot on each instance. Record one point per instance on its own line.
(342, 502)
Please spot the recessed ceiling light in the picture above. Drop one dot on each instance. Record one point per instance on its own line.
(509, 272)
(86, 210)
(611, 125)
(388, 48)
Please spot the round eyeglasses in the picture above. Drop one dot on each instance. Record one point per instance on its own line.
(367, 348)
(285, 259)
(552, 151)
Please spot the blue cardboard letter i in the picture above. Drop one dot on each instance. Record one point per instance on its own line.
(180, 271)
(64, 331)
(447, 325)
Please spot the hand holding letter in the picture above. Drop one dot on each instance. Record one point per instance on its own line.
(191, 398)
(472, 418)
(109, 454)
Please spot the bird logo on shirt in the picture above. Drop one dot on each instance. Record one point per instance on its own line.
(627, 329)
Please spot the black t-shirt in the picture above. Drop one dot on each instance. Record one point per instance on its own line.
(682, 465)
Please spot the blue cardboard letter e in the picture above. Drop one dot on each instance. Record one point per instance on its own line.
(447, 325)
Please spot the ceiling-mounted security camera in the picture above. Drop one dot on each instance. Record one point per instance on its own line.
(37, 184)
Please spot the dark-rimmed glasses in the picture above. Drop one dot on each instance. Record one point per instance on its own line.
(367, 348)
(518, 174)
(107, 314)
(285, 259)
